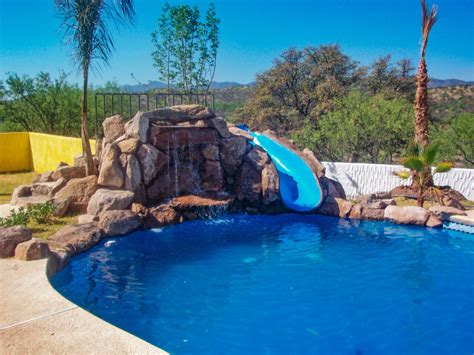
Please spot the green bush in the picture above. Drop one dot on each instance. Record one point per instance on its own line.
(40, 213)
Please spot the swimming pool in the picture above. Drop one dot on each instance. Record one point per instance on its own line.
(293, 284)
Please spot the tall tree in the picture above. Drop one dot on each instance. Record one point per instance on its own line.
(428, 19)
(186, 47)
(86, 27)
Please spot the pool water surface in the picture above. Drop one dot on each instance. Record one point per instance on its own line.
(287, 284)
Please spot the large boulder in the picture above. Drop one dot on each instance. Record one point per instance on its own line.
(180, 113)
(232, 151)
(119, 222)
(10, 237)
(114, 127)
(337, 207)
(129, 146)
(210, 152)
(220, 125)
(79, 191)
(212, 176)
(20, 192)
(33, 249)
(133, 175)
(105, 200)
(151, 160)
(166, 138)
(315, 165)
(331, 188)
(47, 176)
(60, 206)
(69, 172)
(407, 215)
(78, 237)
(444, 212)
(249, 184)
(137, 127)
(270, 184)
(161, 216)
(373, 214)
(258, 158)
(174, 182)
(48, 188)
(111, 174)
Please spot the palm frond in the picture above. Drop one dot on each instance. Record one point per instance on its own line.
(405, 175)
(443, 167)
(414, 163)
(429, 154)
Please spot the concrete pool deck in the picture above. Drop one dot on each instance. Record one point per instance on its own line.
(36, 319)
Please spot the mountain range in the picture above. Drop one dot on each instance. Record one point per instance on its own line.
(217, 85)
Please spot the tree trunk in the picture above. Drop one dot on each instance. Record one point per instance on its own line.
(421, 105)
(86, 147)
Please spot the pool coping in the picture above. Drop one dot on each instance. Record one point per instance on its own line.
(35, 318)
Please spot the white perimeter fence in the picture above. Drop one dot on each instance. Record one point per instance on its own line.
(361, 179)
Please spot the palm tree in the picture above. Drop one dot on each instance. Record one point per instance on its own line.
(419, 162)
(86, 27)
(428, 19)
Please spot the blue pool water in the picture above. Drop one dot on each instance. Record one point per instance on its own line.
(288, 284)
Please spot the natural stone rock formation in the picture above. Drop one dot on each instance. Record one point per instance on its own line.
(105, 200)
(331, 188)
(133, 175)
(407, 215)
(235, 131)
(69, 172)
(113, 127)
(10, 237)
(161, 216)
(356, 212)
(444, 212)
(180, 113)
(119, 222)
(44, 177)
(79, 191)
(137, 127)
(373, 214)
(129, 146)
(211, 152)
(33, 249)
(315, 165)
(249, 185)
(77, 237)
(87, 218)
(232, 151)
(151, 160)
(220, 125)
(60, 206)
(334, 206)
(19, 192)
(110, 174)
(258, 158)
(270, 184)
(48, 188)
(212, 176)
(434, 222)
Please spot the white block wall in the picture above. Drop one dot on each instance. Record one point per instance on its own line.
(361, 179)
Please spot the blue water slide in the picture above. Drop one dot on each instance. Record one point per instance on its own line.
(299, 186)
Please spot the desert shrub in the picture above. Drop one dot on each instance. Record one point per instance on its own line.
(18, 217)
(41, 212)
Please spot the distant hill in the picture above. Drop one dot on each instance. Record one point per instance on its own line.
(153, 85)
(440, 83)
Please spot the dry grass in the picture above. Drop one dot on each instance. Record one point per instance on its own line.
(11, 180)
(402, 201)
(44, 231)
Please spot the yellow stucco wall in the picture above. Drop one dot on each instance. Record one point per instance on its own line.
(37, 151)
(15, 153)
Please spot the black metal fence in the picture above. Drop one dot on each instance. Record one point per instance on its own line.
(128, 104)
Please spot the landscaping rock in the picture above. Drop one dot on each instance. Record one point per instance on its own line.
(80, 162)
(78, 237)
(211, 152)
(270, 184)
(180, 113)
(453, 202)
(10, 237)
(33, 249)
(133, 175)
(220, 125)
(356, 212)
(139, 209)
(105, 200)
(232, 151)
(119, 222)
(212, 177)
(129, 146)
(337, 207)
(331, 188)
(60, 206)
(69, 172)
(166, 138)
(434, 222)
(20, 191)
(249, 184)
(110, 174)
(151, 160)
(373, 214)
(161, 216)
(258, 158)
(315, 165)
(407, 215)
(137, 127)
(240, 133)
(79, 191)
(87, 218)
(114, 127)
(48, 188)
(377, 204)
(444, 212)
(44, 177)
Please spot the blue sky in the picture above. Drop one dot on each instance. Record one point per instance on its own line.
(253, 33)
